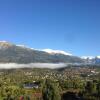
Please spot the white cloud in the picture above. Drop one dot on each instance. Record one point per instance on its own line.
(32, 65)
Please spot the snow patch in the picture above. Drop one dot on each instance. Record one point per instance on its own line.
(56, 52)
(21, 45)
(4, 41)
(98, 57)
(87, 57)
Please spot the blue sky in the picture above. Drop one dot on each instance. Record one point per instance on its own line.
(70, 25)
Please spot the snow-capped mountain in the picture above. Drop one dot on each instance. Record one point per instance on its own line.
(88, 59)
(91, 59)
(97, 60)
(11, 53)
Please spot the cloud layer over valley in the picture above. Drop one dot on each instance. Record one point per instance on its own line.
(31, 65)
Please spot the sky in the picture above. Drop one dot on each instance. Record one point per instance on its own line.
(69, 25)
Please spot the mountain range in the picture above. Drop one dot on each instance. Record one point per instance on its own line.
(11, 53)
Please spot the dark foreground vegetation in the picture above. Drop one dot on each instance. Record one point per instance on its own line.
(71, 83)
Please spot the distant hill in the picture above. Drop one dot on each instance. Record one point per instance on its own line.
(11, 53)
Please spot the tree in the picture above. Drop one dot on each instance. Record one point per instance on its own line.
(51, 91)
(98, 89)
(90, 87)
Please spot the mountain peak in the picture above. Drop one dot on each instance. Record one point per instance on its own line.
(98, 57)
(5, 44)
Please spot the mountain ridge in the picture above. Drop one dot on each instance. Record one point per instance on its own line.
(10, 52)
